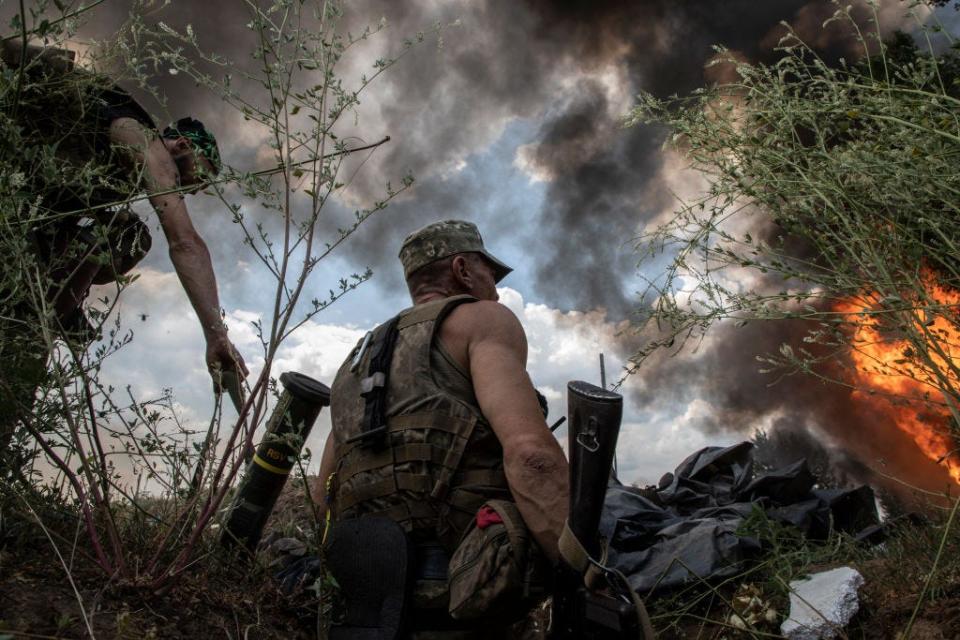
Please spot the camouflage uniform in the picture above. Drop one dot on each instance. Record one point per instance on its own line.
(441, 459)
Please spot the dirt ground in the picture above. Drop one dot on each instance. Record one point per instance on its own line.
(886, 608)
(38, 601)
(222, 596)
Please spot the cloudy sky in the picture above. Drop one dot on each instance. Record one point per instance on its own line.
(512, 121)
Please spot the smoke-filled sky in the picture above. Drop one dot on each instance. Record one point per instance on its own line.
(512, 121)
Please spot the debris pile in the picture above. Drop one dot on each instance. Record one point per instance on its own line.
(687, 529)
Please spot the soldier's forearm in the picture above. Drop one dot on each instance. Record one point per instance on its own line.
(191, 261)
(539, 481)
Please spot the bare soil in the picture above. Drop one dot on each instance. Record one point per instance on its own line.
(37, 600)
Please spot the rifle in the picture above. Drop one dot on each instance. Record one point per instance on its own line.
(591, 601)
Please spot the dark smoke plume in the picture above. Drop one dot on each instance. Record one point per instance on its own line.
(603, 177)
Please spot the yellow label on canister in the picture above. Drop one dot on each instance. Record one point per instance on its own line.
(269, 467)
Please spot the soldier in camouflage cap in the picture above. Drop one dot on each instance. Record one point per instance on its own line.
(433, 415)
(442, 239)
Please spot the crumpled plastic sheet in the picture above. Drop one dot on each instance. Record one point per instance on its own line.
(687, 529)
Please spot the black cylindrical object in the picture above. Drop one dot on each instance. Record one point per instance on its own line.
(594, 415)
(594, 423)
(287, 430)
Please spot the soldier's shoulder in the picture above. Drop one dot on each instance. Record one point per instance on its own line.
(482, 316)
(487, 308)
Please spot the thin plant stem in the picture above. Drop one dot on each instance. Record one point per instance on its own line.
(933, 570)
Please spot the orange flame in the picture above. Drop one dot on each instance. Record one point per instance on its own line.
(888, 367)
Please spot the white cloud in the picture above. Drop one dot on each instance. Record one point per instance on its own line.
(318, 349)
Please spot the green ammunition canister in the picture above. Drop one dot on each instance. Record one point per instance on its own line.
(287, 430)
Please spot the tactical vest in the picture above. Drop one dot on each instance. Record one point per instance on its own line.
(438, 460)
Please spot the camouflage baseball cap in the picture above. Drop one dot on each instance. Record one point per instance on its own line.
(441, 239)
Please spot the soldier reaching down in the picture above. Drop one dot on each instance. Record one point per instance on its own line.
(92, 149)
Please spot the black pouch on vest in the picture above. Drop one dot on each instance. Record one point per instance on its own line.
(497, 572)
(371, 559)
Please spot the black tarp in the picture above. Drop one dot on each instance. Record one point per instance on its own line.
(687, 528)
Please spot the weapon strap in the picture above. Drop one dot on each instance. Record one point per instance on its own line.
(374, 386)
(575, 555)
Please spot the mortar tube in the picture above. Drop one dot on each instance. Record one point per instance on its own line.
(287, 430)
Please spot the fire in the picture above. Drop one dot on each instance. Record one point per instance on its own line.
(888, 366)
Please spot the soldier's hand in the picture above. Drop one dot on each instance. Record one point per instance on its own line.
(221, 354)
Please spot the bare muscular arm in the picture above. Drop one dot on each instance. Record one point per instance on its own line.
(489, 338)
(188, 251)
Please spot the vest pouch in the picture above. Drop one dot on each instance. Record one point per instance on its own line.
(497, 572)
